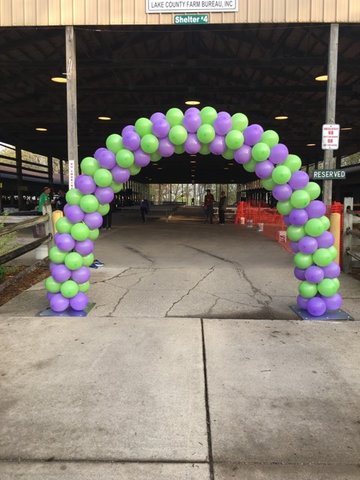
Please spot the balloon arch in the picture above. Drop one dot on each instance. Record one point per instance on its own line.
(195, 131)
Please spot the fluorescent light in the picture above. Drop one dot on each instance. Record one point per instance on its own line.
(281, 117)
(104, 118)
(41, 129)
(59, 79)
(192, 102)
(321, 78)
(311, 144)
(346, 129)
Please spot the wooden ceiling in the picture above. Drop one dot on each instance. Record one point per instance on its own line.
(130, 72)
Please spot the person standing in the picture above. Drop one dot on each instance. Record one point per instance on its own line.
(60, 202)
(44, 199)
(222, 208)
(209, 206)
(144, 209)
(107, 219)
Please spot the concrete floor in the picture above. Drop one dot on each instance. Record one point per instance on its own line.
(190, 366)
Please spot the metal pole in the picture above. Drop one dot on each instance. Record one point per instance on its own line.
(329, 161)
(19, 179)
(71, 101)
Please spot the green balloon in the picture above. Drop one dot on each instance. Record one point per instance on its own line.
(327, 287)
(303, 260)
(270, 137)
(116, 187)
(228, 154)
(51, 285)
(307, 289)
(204, 150)
(69, 289)
(89, 165)
(325, 221)
(124, 158)
(73, 196)
(143, 126)
(293, 162)
(234, 139)
(208, 115)
(179, 149)
(337, 282)
(80, 231)
(295, 233)
(89, 203)
(149, 143)
(333, 252)
(56, 255)
(63, 225)
(93, 235)
(84, 287)
(206, 133)
(103, 177)
(322, 257)
(104, 209)
(239, 121)
(134, 169)
(73, 260)
(260, 152)
(300, 199)
(313, 190)
(281, 174)
(88, 259)
(155, 157)
(114, 142)
(284, 207)
(178, 135)
(250, 165)
(174, 116)
(268, 184)
(314, 227)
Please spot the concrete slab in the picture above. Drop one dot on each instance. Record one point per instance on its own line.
(101, 388)
(284, 392)
(286, 472)
(96, 471)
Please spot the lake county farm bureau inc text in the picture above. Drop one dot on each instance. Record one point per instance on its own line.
(183, 4)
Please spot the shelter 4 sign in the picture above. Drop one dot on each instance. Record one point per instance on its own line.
(330, 136)
(175, 6)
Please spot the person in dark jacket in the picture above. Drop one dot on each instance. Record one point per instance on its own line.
(144, 209)
(209, 206)
(222, 207)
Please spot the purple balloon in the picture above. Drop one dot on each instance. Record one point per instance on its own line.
(314, 274)
(93, 220)
(278, 153)
(58, 303)
(161, 128)
(73, 213)
(104, 194)
(299, 273)
(316, 306)
(157, 116)
(192, 144)
(120, 175)
(286, 220)
(84, 247)
(81, 275)
(218, 145)
(166, 148)
(299, 180)
(79, 302)
(60, 273)
(325, 240)
(302, 302)
(243, 154)
(282, 192)
(332, 270)
(298, 217)
(50, 295)
(127, 129)
(223, 123)
(142, 159)
(131, 140)
(264, 169)
(294, 246)
(334, 302)
(192, 122)
(192, 111)
(85, 184)
(106, 158)
(64, 241)
(308, 245)
(316, 209)
(252, 134)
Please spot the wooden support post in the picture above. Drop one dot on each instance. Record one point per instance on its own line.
(347, 239)
(19, 184)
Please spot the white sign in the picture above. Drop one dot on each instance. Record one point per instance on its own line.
(330, 136)
(175, 6)
(71, 174)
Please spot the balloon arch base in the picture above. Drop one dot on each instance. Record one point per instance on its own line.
(335, 316)
(69, 312)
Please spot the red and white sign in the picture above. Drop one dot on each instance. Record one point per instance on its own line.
(71, 174)
(330, 136)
